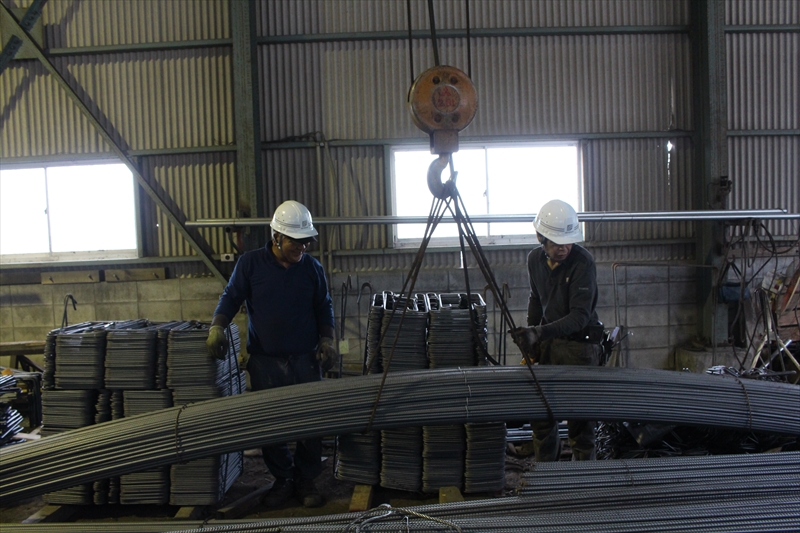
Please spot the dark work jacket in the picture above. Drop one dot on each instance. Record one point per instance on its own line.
(562, 300)
(286, 307)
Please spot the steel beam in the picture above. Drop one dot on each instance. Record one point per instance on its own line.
(711, 182)
(478, 32)
(249, 186)
(651, 216)
(14, 42)
(153, 189)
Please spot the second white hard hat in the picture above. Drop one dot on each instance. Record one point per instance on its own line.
(293, 219)
(558, 222)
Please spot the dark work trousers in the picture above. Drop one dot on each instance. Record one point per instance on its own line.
(546, 444)
(270, 372)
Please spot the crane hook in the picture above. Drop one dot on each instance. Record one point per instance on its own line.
(438, 188)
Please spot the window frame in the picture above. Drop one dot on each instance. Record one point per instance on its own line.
(56, 258)
(485, 240)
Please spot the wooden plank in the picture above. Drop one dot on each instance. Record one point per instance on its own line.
(189, 513)
(362, 498)
(71, 276)
(243, 505)
(450, 494)
(135, 274)
(22, 348)
(52, 513)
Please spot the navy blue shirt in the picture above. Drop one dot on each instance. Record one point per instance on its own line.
(562, 300)
(286, 307)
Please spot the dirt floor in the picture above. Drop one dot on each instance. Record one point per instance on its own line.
(337, 495)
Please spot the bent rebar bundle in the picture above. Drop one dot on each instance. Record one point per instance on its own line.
(759, 492)
(414, 398)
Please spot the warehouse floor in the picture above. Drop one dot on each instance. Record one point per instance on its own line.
(337, 493)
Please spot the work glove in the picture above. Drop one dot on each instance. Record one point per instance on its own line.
(327, 355)
(217, 342)
(526, 338)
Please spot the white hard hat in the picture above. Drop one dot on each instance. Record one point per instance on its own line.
(294, 220)
(558, 222)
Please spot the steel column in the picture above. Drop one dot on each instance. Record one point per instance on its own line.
(249, 186)
(711, 148)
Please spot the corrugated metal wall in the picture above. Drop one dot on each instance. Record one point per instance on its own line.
(632, 82)
(202, 186)
(744, 12)
(294, 17)
(638, 175)
(525, 85)
(764, 107)
(78, 23)
(164, 100)
(147, 100)
(39, 119)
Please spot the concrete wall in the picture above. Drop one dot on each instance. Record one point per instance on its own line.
(29, 312)
(655, 302)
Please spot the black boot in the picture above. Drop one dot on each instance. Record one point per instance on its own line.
(306, 491)
(280, 493)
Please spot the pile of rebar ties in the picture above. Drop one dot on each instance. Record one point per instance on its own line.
(414, 398)
(682, 494)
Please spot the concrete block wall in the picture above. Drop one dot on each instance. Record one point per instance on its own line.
(655, 302)
(30, 312)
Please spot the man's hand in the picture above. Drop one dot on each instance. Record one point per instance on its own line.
(526, 338)
(327, 355)
(217, 342)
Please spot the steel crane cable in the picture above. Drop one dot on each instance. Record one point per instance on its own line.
(433, 33)
(435, 215)
(467, 230)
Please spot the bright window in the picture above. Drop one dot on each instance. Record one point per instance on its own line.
(492, 180)
(59, 213)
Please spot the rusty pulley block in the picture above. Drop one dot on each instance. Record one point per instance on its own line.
(442, 101)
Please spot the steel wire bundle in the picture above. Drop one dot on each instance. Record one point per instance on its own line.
(568, 476)
(401, 458)
(131, 354)
(64, 410)
(443, 455)
(372, 359)
(456, 335)
(204, 481)
(359, 457)
(150, 487)
(10, 418)
(80, 354)
(758, 493)
(485, 458)
(49, 374)
(407, 351)
(138, 402)
(414, 398)
(195, 376)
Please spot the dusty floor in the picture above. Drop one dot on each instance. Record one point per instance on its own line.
(337, 497)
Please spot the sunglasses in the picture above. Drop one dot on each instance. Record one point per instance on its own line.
(299, 242)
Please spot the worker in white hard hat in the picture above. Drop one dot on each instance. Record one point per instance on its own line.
(563, 327)
(289, 336)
